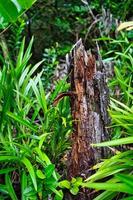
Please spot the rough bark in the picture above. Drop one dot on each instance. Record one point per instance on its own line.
(89, 112)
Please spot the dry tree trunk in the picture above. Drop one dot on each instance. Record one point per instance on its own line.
(89, 104)
(4, 48)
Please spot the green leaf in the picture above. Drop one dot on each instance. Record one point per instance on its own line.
(51, 183)
(127, 140)
(64, 184)
(128, 198)
(79, 181)
(107, 171)
(26, 3)
(23, 58)
(30, 168)
(3, 189)
(122, 105)
(8, 158)
(128, 179)
(36, 91)
(45, 158)
(42, 138)
(40, 174)
(73, 180)
(22, 121)
(8, 10)
(74, 190)
(23, 76)
(10, 188)
(116, 187)
(49, 170)
(57, 197)
(23, 185)
(107, 195)
(42, 156)
(58, 193)
(26, 85)
(6, 170)
(114, 160)
(28, 50)
(43, 97)
(20, 54)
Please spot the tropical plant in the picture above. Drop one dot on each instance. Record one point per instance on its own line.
(114, 175)
(50, 63)
(30, 126)
(34, 132)
(118, 169)
(10, 10)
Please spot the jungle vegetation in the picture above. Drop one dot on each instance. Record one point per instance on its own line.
(35, 134)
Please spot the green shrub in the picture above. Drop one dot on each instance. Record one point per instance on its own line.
(118, 169)
(30, 126)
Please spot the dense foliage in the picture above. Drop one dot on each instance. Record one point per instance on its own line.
(35, 133)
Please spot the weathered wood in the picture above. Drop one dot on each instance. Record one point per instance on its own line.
(89, 111)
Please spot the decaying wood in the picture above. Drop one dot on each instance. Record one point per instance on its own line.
(89, 111)
(62, 95)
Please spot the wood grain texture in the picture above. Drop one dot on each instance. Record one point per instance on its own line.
(89, 111)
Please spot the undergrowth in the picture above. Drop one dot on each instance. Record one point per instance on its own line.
(30, 126)
(35, 133)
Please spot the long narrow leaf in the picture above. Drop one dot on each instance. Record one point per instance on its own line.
(127, 140)
(21, 53)
(30, 169)
(10, 188)
(22, 121)
(23, 185)
(116, 187)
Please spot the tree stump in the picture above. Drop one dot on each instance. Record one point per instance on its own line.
(89, 112)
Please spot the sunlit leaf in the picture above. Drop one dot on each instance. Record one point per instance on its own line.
(23, 184)
(125, 25)
(40, 174)
(26, 3)
(30, 168)
(8, 10)
(64, 184)
(10, 188)
(128, 179)
(22, 121)
(49, 170)
(126, 140)
(116, 187)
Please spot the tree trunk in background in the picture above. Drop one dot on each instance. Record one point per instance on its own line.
(89, 112)
(5, 50)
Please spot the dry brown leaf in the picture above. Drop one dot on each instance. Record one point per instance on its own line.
(125, 25)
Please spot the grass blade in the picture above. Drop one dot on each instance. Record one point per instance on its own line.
(30, 169)
(127, 140)
(22, 121)
(10, 188)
